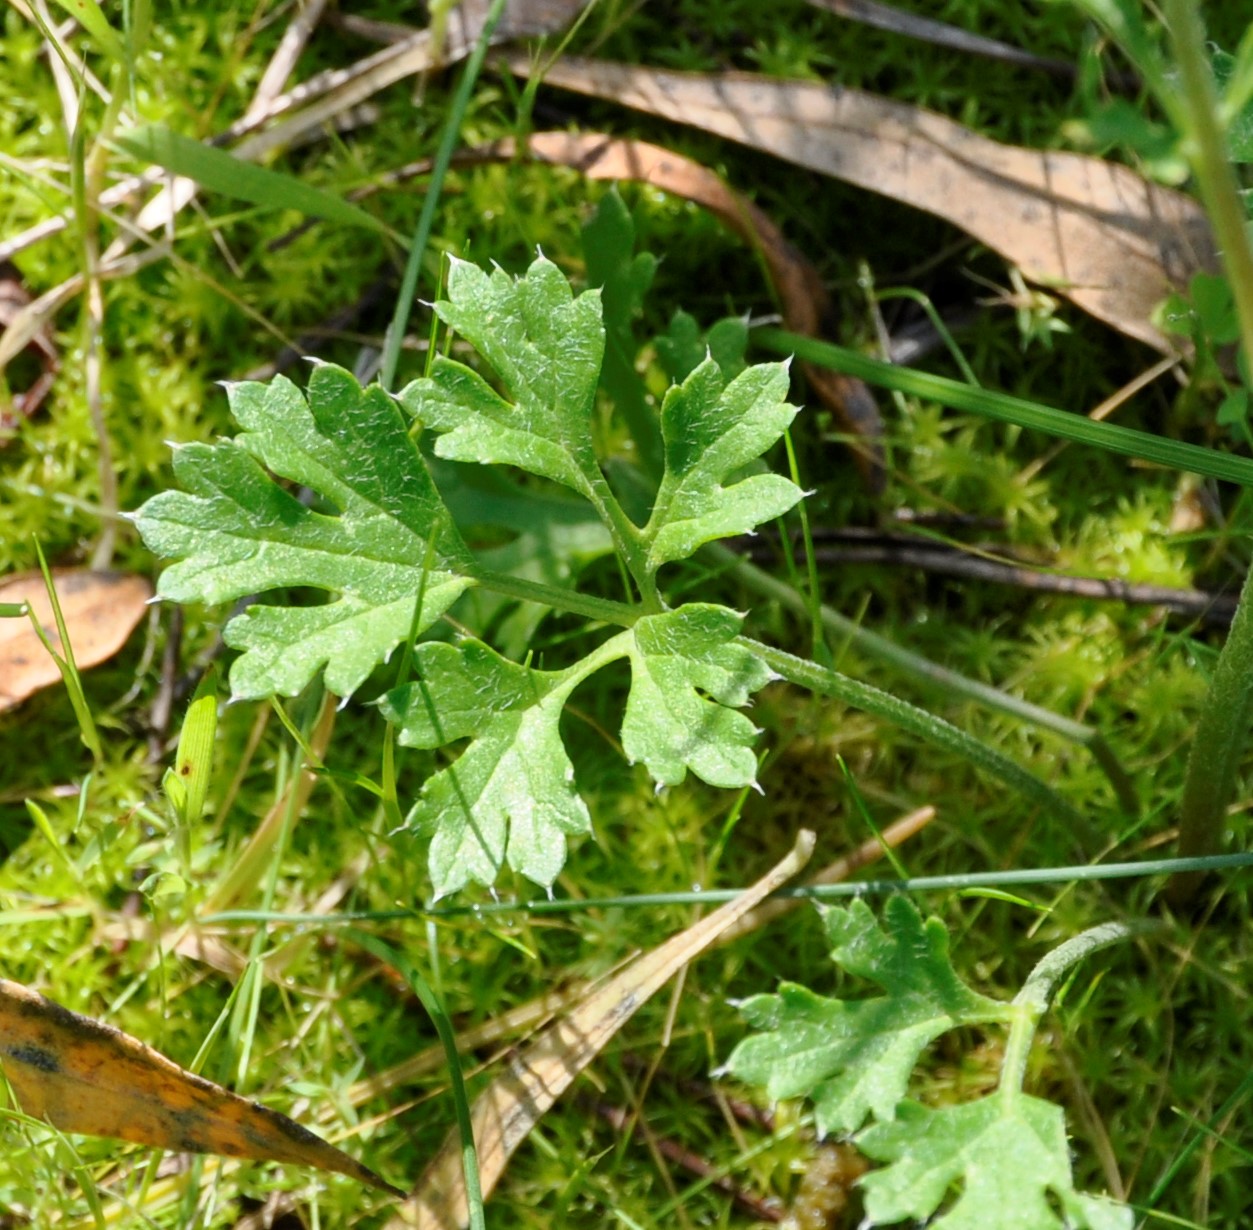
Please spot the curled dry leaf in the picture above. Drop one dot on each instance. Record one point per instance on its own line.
(1113, 243)
(504, 1113)
(81, 1075)
(100, 610)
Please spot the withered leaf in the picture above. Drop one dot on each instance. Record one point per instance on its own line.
(100, 610)
(1109, 240)
(81, 1075)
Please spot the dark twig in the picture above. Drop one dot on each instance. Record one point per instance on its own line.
(857, 546)
(941, 34)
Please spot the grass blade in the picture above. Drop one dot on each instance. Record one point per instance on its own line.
(443, 1026)
(219, 171)
(1063, 424)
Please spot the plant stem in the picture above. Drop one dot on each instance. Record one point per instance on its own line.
(918, 667)
(627, 538)
(1221, 733)
(1032, 1001)
(1223, 727)
(570, 601)
(1206, 148)
(917, 721)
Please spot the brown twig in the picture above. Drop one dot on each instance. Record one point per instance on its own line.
(858, 546)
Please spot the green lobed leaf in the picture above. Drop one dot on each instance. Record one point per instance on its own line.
(236, 531)
(854, 1057)
(546, 346)
(1004, 1158)
(510, 796)
(688, 677)
(711, 429)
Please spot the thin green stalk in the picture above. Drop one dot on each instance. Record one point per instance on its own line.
(627, 537)
(443, 1026)
(447, 144)
(1222, 730)
(1206, 146)
(917, 721)
(937, 323)
(962, 882)
(1223, 726)
(812, 599)
(918, 667)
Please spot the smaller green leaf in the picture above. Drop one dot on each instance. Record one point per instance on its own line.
(1004, 1158)
(1215, 308)
(688, 677)
(222, 172)
(546, 347)
(855, 1057)
(623, 276)
(683, 347)
(711, 430)
(1234, 409)
(510, 796)
(187, 785)
(1120, 123)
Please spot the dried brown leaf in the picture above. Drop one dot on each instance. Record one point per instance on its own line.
(81, 1075)
(1109, 240)
(100, 609)
(505, 1113)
